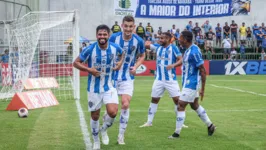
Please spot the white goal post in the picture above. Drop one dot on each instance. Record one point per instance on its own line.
(42, 45)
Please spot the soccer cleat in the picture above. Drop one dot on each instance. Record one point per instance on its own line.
(105, 138)
(174, 136)
(184, 126)
(120, 140)
(211, 129)
(96, 146)
(146, 125)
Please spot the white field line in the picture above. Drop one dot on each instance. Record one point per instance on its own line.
(239, 90)
(218, 111)
(211, 80)
(84, 127)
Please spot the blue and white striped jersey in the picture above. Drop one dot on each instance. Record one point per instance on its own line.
(192, 59)
(164, 57)
(132, 48)
(103, 61)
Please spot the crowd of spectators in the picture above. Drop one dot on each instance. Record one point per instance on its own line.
(234, 39)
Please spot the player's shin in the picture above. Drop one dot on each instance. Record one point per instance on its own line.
(203, 116)
(180, 121)
(152, 110)
(124, 117)
(108, 122)
(95, 130)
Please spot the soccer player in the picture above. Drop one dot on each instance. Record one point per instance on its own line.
(101, 57)
(168, 57)
(133, 46)
(193, 72)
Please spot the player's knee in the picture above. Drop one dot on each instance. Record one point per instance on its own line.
(125, 102)
(112, 113)
(155, 100)
(181, 106)
(193, 107)
(125, 105)
(95, 117)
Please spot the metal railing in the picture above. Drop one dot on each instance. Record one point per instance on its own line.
(221, 56)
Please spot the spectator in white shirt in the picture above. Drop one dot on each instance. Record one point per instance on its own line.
(227, 46)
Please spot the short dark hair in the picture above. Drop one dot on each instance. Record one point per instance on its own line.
(167, 34)
(103, 27)
(187, 35)
(128, 18)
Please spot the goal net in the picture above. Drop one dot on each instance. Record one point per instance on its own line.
(42, 45)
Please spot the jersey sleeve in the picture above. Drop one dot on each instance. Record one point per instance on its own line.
(119, 50)
(85, 53)
(153, 47)
(112, 38)
(197, 58)
(176, 51)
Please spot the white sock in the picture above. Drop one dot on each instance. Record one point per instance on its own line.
(180, 119)
(108, 122)
(176, 107)
(124, 116)
(203, 116)
(152, 110)
(95, 130)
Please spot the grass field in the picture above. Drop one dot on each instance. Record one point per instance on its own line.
(235, 104)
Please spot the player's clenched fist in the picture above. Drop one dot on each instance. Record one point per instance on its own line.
(169, 67)
(117, 66)
(94, 72)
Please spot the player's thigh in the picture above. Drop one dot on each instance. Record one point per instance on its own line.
(195, 104)
(94, 101)
(173, 88)
(110, 99)
(157, 89)
(125, 87)
(188, 95)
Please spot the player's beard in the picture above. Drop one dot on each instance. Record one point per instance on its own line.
(102, 41)
(163, 43)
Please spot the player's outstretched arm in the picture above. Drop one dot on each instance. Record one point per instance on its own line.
(138, 63)
(203, 80)
(177, 64)
(121, 60)
(141, 49)
(78, 64)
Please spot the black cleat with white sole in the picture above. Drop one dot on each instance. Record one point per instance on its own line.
(211, 129)
(174, 136)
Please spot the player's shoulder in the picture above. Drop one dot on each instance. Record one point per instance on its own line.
(114, 35)
(138, 38)
(194, 49)
(114, 45)
(156, 45)
(90, 47)
(174, 46)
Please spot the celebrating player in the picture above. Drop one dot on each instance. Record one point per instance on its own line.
(133, 46)
(101, 58)
(168, 57)
(193, 72)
